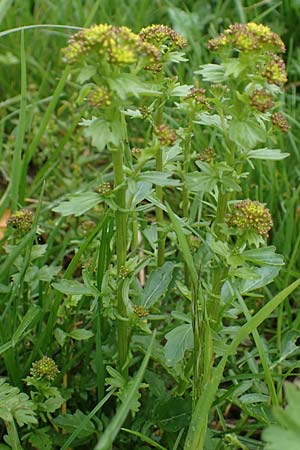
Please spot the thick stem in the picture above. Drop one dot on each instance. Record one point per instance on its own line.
(121, 246)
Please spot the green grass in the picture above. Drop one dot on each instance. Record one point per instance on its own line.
(44, 157)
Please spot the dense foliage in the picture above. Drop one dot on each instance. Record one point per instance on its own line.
(149, 225)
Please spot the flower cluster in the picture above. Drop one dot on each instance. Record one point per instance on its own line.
(274, 70)
(166, 135)
(197, 97)
(21, 220)
(45, 368)
(261, 99)
(280, 121)
(140, 311)
(99, 97)
(160, 35)
(248, 37)
(248, 215)
(208, 155)
(106, 43)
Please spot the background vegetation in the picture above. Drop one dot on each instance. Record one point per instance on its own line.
(58, 160)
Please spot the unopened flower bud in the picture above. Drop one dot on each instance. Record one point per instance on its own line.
(140, 311)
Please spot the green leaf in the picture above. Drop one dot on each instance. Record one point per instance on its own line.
(157, 284)
(86, 73)
(215, 73)
(73, 287)
(173, 414)
(140, 191)
(201, 181)
(263, 256)
(181, 91)
(78, 204)
(285, 434)
(158, 178)
(71, 422)
(102, 132)
(52, 404)
(40, 439)
(210, 120)
(265, 274)
(47, 273)
(246, 133)
(15, 405)
(273, 154)
(179, 340)
(80, 334)
(129, 85)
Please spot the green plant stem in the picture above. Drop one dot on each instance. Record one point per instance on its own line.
(185, 191)
(160, 214)
(102, 264)
(121, 246)
(186, 165)
(13, 435)
(159, 189)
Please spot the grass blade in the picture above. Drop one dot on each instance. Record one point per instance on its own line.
(113, 428)
(17, 160)
(197, 429)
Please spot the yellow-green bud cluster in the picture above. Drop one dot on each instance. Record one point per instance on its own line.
(198, 97)
(145, 112)
(45, 368)
(280, 121)
(123, 272)
(104, 188)
(274, 70)
(140, 311)
(248, 38)
(114, 45)
(166, 135)
(21, 220)
(159, 35)
(208, 155)
(99, 97)
(249, 215)
(261, 99)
